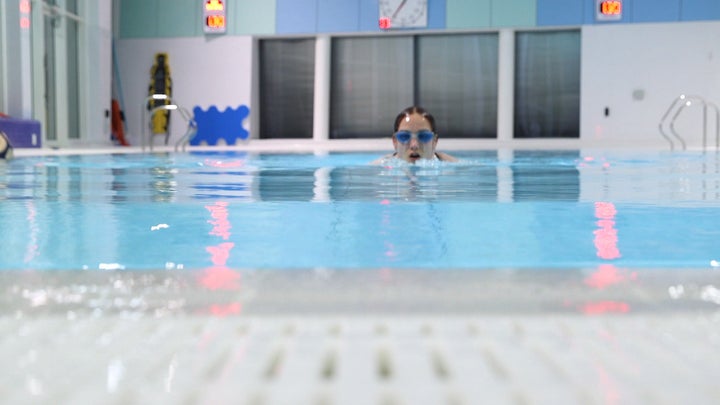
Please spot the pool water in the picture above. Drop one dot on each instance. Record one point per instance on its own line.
(493, 209)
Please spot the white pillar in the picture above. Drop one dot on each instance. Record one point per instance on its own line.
(15, 57)
(321, 105)
(506, 88)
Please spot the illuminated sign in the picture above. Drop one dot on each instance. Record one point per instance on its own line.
(608, 10)
(214, 21)
(25, 14)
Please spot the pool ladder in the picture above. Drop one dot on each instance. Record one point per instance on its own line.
(184, 113)
(678, 106)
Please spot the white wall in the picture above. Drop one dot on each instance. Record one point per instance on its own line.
(205, 71)
(661, 60)
(658, 62)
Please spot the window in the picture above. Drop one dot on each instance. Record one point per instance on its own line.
(458, 83)
(453, 76)
(547, 84)
(371, 81)
(287, 77)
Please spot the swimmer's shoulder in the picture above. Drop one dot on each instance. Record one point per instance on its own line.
(445, 157)
(383, 159)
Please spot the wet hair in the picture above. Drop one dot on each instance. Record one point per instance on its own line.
(414, 110)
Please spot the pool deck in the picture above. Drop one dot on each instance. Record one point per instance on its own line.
(363, 337)
(383, 145)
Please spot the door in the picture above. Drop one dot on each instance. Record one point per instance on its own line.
(61, 95)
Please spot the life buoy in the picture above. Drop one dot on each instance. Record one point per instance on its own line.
(117, 121)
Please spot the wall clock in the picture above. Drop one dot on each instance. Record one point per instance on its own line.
(403, 14)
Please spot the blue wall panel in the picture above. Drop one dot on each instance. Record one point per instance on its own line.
(296, 16)
(369, 15)
(700, 10)
(468, 14)
(436, 14)
(251, 17)
(338, 15)
(513, 13)
(560, 12)
(138, 18)
(656, 10)
(179, 18)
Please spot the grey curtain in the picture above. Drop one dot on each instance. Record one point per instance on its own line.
(372, 81)
(547, 84)
(287, 79)
(458, 83)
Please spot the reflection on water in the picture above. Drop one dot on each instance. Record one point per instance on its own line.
(122, 178)
(545, 175)
(491, 209)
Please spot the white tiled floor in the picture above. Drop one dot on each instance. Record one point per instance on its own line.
(365, 337)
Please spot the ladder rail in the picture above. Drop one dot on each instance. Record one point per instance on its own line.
(182, 143)
(678, 106)
(165, 107)
(144, 125)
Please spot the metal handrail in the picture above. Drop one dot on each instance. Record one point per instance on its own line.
(168, 107)
(717, 124)
(687, 101)
(191, 131)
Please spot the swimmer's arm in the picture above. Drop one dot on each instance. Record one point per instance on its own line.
(445, 157)
(382, 159)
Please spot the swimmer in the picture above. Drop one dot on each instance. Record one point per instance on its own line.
(414, 137)
(6, 149)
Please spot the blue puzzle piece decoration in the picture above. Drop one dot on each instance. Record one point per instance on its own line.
(214, 125)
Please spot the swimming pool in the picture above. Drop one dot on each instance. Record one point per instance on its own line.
(553, 209)
(514, 276)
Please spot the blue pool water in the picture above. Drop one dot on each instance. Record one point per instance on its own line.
(494, 209)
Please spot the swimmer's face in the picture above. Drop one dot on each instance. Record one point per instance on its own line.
(414, 149)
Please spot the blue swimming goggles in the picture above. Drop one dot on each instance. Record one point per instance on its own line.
(423, 136)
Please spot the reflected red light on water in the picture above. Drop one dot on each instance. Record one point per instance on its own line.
(605, 307)
(233, 308)
(606, 237)
(608, 274)
(219, 276)
(223, 164)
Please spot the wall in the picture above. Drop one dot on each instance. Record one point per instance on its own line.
(660, 47)
(638, 70)
(181, 18)
(205, 72)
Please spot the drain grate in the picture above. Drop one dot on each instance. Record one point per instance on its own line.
(355, 360)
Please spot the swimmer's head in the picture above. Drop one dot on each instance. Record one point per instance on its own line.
(6, 149)
(406, 113)
(414, 135)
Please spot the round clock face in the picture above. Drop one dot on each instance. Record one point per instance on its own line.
(403, 13)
